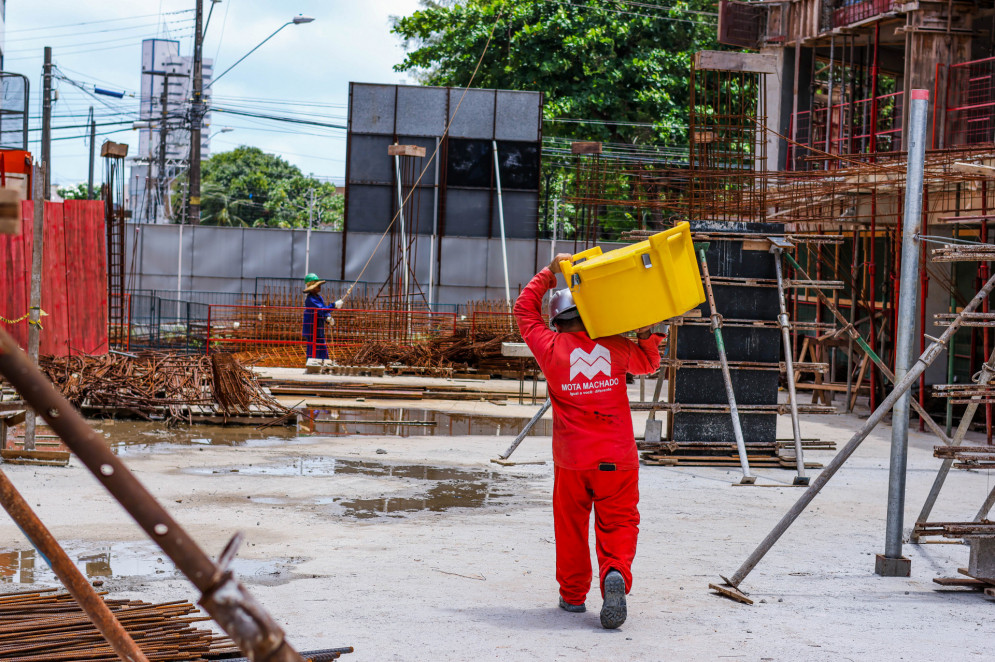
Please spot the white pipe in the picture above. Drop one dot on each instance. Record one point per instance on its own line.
(504, 241)
(552, 244)
(179, 271)
(307, 242)
(435, 228)
(400, 217)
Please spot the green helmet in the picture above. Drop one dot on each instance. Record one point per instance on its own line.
(310, 278)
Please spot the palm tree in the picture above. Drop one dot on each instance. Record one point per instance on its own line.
(219, 208)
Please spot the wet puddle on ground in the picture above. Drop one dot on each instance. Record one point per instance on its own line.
(425, 488)
(133, 560)
(138, 434)
(404, 422)
(330, 422)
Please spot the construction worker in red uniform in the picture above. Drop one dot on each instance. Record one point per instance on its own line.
(594, 449)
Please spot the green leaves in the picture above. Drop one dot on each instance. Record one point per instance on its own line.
(593, 59)
(249, 187)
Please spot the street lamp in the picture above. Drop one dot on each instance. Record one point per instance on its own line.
(296, 20)
(224, 129)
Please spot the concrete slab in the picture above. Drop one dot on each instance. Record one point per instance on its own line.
(478, 582)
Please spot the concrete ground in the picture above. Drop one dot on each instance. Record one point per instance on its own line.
(429, 551)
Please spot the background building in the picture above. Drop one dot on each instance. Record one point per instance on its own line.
(164, 139)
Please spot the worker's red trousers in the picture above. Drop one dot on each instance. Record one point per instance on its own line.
(614, 495)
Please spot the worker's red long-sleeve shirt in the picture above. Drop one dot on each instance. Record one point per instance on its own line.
(585, 379)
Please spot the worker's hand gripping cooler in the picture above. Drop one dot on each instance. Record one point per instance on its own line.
(635, 286)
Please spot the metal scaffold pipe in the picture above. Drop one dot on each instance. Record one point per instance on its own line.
(903, 385)
(892, 563)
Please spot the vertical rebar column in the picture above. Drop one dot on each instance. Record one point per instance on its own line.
(892, 563)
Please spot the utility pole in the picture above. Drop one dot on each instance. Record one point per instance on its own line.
(163, 116)
(93, 150)
(46, 124)
(196, 113)
(34, 302)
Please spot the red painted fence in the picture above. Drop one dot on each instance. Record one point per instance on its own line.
(74, 278)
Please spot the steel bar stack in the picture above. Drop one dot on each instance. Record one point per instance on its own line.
(46, 625)
(159, 386)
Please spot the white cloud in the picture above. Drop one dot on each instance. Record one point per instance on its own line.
(312, 63)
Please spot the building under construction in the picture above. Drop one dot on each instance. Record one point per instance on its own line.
(808, 132)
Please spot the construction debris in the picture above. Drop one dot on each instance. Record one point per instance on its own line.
(156, 386)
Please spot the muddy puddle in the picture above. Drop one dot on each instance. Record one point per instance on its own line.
(413, 488)
(134, 560)
(330, 422)
(138, 434)
(404, 422)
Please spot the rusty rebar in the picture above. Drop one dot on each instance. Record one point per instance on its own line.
(223, 597)
(67, 572)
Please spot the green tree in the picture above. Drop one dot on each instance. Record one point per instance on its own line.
(246, 186)
(602, 60)
(294, 201)
(77, 192)
(218, 208)
(610, 70)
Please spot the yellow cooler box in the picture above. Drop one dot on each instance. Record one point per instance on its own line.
(637, 285)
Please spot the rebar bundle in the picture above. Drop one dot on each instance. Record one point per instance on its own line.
(45, 625)
(153, 385)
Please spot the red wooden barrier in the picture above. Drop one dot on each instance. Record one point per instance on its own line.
(74, 278)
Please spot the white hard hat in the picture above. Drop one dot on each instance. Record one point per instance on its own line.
(562, 307)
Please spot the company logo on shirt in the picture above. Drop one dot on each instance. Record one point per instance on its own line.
(599, 360)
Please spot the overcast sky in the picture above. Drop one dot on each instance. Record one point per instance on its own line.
(304, 69)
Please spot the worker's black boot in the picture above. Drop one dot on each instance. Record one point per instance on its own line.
(576, 609)
(613, 611)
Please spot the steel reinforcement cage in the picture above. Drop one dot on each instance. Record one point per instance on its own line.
(264, 328)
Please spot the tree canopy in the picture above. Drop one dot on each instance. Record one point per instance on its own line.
(246, 186)
(78, 191)
(624, 65)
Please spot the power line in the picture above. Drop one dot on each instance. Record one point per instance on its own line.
(629, 13)
(108, 20)
(277, 118)
(661, 7)
(49, 37)
(66, 49)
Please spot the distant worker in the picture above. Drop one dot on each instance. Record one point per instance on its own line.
(316, 315)
(594, 450)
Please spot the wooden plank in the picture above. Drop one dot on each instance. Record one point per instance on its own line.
(585, 147)
(405, 150)
(9, 454)
(756, 245)
(757, 63)
(967, 582)
(974, 169)
(731, 592)
(518, 349)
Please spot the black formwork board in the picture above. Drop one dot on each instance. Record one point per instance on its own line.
(697, 343)
(704, 386)
(718, 428)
